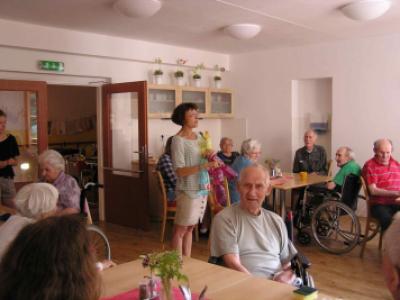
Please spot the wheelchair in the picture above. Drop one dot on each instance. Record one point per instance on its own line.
(331, 216)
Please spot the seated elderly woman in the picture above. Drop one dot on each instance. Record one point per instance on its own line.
(51, 259)
(250, 152)
(52, 166)
(33, 202)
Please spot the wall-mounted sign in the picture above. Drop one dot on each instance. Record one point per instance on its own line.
(50, 65)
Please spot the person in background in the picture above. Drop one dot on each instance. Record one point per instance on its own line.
(310, 158)
(51, 259)
(382, 176)
(164, 165)
(391, 259)
(345, 161)
(227, 155)
(8, 158)
(250, 152)
(191, 193)
(249, 238)
(52, 166)
(34, 201)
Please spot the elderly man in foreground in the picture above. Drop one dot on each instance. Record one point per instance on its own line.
(249, 238)
(382, 176)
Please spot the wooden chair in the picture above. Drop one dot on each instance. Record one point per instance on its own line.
(372, 226)
(169, 209)
(330, 167)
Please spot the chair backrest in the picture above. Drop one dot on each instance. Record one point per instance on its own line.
(330, 167)
(366, 194)
(162, 189)
(350, 190)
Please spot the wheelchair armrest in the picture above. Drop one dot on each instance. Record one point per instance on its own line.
(216, 260)
(362, 197)
(303, 260)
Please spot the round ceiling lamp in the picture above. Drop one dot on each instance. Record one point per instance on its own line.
(138, 8)
(243, 31)
(365, 10)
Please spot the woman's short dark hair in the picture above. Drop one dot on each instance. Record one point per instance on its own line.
(3, 114)
(50, 259)
(178, 115)
(168, 144)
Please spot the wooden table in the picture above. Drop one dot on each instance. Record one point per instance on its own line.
(291, 181)
(223, 283)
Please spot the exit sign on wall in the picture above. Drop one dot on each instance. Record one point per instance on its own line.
(50, 65)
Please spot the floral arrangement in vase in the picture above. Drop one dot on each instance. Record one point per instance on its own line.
(217, 76)
(273, 166)
(166, 265)
(178, 74)
(158, 72)
(196, 75)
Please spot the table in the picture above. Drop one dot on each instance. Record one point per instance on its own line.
(223, 283)
(291, 181)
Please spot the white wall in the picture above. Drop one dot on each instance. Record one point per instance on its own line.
(88, 55)
(365, 92)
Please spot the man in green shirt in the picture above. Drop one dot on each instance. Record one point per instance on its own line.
(345, 161)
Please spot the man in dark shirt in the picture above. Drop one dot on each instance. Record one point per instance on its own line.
(227, 155)
(310, 158)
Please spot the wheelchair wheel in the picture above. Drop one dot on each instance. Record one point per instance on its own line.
(335, 227)
(99, 242)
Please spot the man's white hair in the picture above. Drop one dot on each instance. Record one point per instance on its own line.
(53, 158)
(377, 143)
(257, 166)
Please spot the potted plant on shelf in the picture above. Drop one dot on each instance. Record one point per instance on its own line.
(217, 78)
(166, 265)
(178, 74)
(196, 75)
(158, 72)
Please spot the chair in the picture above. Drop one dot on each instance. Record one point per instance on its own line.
(372, 226)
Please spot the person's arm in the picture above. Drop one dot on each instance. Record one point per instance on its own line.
(331, 185)
(186, 171)
(376, 191)
(296, 163)
(67, 211)
(232, 261)
(324, 167)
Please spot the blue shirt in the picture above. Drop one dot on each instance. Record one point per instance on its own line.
(238, 165)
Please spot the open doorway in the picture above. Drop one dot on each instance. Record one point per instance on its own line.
(72, 131)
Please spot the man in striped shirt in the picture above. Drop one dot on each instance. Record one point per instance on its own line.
(382, 175)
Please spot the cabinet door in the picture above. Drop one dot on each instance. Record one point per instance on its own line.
(221, 103)
(197, 96)
(161, 101)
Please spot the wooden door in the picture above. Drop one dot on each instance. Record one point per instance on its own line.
(32, 135)
(126, 154)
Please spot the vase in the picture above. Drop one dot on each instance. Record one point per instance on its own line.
(158, 79)
(179, 81)
(196, 82)
(217, 84)
(166, 292)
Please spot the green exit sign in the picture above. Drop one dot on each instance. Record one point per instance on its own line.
(50, 65)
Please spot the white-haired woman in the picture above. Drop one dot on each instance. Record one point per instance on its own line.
(250, 152)
(52, 166)
(34, 201)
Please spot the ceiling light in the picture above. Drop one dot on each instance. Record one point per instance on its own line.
(138, 8)
(365, 10)
(243, 31)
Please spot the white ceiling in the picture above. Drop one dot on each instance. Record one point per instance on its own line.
(198, 23)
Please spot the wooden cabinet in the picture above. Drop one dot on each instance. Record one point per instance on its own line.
(212, 103)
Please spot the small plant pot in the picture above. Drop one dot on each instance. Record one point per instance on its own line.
(158, 79)
(179, 81)
(217, 84)
(196, 82)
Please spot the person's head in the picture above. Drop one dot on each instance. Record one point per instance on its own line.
(36, 200)
(251, 149)
(383, 150)
(226, 145)
(253, 185)
(391, 258)
(344, 155)
(167, 149)
(3, 121)
(310, 137)
(51, 164)
(50, 259)
(186, 114)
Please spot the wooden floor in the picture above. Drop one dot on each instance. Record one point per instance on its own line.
(344, 277)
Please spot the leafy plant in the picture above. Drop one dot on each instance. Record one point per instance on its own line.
(158, 72)
(178, 74)
(217, 78)
(196, 71)
(196, 76)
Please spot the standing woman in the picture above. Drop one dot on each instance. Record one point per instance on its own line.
(8, 153)
(191, 197)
